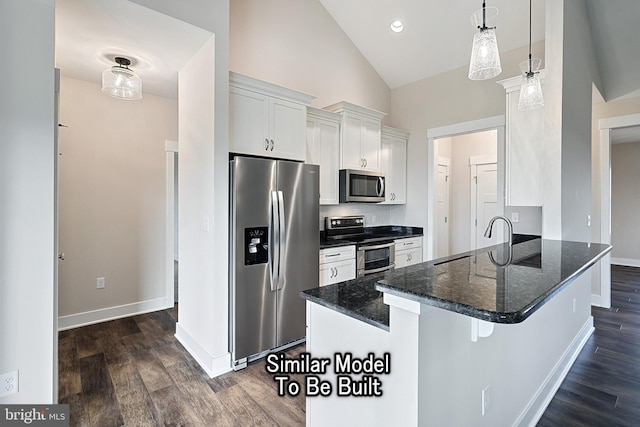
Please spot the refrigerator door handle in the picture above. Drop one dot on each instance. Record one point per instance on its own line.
(281, 243)
(274, 250)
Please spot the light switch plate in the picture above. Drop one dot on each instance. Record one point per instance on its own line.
(515, 217)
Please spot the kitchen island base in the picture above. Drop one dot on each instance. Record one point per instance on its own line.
(447, 368)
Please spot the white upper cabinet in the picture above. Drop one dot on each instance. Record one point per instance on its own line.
(360, 142)
(393, 164)
(323, 149)
(524, 134)
(265, 119)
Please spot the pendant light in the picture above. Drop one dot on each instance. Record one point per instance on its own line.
(530, 90)
(485, 58)
(121, 82)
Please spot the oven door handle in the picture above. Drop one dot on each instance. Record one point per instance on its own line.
(378, 270)
(366, 248)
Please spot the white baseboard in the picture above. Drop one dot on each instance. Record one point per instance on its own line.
(213, 366)
(537, 405)
(104, 314)
(626, 262)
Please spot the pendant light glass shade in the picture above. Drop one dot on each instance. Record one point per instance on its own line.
(121, 82)
(530, 90)
(531, 96)
(485, 57)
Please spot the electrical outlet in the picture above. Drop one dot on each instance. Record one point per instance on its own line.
(515, 217)
(8, 383)
(485, 400)
(100, 282)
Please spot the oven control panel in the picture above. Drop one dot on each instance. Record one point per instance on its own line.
(344, 222)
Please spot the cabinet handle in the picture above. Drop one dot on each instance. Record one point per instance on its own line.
(266, 144)
(336, 270)
(272, 145)
(409, 257)
(332, 255)
(365, 163)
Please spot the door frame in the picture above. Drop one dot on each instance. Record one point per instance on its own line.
(605, 126)
(445, 161)
(171, 150)
(474, 126)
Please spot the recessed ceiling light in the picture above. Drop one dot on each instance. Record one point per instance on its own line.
(397, 26)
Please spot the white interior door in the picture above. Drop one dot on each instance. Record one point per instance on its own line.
(484, 177)
(442, 207)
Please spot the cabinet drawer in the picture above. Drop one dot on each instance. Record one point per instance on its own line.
(408, 257)
(408, 243)
(337, 254)
(334, 272)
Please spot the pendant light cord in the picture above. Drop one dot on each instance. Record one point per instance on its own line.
(529, 73)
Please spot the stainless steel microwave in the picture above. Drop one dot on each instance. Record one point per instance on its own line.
(361, 186)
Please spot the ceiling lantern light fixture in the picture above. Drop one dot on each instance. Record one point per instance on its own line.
(485, 58)
(530, 90)
(397, 26)
(121, 82)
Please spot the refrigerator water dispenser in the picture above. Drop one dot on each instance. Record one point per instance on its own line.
(256, 245)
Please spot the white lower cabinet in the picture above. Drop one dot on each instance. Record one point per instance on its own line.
(337, 264)
(408, 251)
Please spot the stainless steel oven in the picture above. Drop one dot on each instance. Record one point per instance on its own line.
(374, 258)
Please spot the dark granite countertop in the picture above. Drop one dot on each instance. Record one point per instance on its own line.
(380, 232)
(469, 283)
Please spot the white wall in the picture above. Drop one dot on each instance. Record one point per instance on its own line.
(204, 259)
(296, 44)
(625, 203)
(27, 197)
(112, 199)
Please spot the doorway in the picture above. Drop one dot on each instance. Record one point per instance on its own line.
(456, 232)
(607, 128)
(117, 235)
(466, 191)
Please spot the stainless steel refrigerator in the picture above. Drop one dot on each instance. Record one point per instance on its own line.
(274, 253)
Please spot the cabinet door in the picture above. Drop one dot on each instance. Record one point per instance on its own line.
(287, 129)
(393, 164)
(408, 257)
(370, 144)
(329, 151)
(248, 122)
(351, 143)
(398, 170)
(334, 272)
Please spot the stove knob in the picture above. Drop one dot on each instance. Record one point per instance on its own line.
(334, 222)
(338, 222)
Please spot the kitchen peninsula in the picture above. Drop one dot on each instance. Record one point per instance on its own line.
(473, 339)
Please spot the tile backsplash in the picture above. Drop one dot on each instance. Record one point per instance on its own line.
(374, 214)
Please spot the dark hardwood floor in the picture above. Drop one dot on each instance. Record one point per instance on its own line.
(134, 372)
(603, 386)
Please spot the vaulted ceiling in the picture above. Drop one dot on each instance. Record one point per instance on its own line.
(437, 38)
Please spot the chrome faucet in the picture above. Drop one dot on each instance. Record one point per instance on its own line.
(487, 232)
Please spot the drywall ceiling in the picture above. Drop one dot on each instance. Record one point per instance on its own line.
(90, 33)
(614, 29)
(437, 34)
